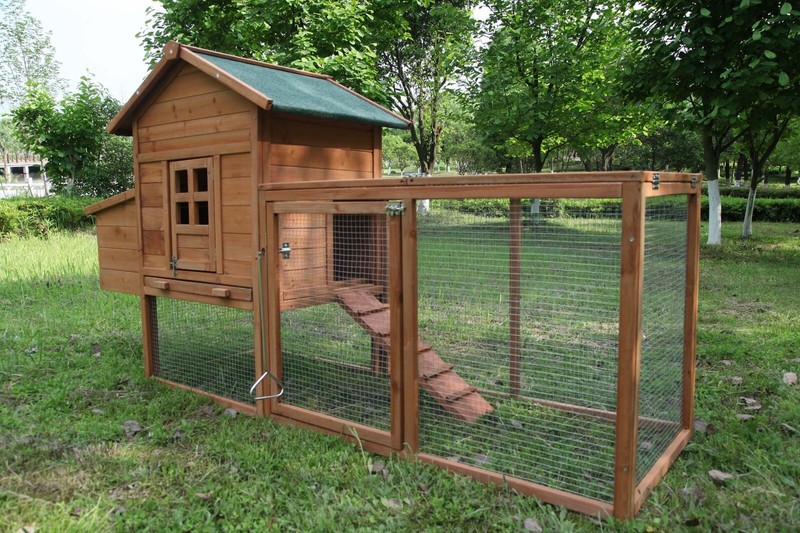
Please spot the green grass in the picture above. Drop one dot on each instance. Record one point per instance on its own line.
(67, 465)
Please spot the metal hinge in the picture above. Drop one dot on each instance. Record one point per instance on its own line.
(694, 182)
(656, 180)
(395, 208)
(286, 250)
(173, 263)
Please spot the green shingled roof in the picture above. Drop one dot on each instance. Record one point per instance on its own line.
(299, 94)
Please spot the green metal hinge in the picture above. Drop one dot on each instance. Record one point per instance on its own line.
(395, 208)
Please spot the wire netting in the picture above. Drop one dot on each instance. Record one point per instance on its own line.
(334, 319)
(556, 427)
(662, 327)
(207, 347)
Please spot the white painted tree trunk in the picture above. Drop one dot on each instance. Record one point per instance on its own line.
(423, 207)
(747, 227)
(714, 213)
(536, 205)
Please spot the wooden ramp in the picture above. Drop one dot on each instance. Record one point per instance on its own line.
(437, 377)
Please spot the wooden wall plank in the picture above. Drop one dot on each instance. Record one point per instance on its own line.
(152, 195)
(286, 131)
(238, 268)
(236, 219)
(119, 259)
(236, 166)
(195, 141)
(224, 102)
(236, 191)
(237, 247)
(153, 243)
(120, 215)
(203, 126)
(152, 218)
(151, 172)
(189, 83)
(281, 174)
(316, 157)
(124, 237)
(120, 281)
(303, 221)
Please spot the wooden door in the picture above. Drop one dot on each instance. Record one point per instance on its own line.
(192, 214)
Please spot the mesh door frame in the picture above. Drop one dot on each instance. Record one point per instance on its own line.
(634, 188)
(370, 438)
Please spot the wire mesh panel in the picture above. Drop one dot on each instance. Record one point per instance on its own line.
(522, 311)
(207, 347)
(662, 327)
(335, 317)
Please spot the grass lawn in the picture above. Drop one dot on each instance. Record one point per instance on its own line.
(71, 376)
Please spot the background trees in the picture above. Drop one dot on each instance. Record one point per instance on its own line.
(26, 54)
(82, 158)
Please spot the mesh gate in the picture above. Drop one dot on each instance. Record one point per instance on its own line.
(206, 347)
(662, 328)
(538, 341)
(335, 321)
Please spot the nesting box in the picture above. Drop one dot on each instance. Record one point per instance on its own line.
(547, 347)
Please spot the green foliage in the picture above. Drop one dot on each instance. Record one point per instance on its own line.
(662, 148)
(82, 158)
(398, 151)
(26, 54)
(328, 36)
(25, 216)
(771, 192)
(549, 78)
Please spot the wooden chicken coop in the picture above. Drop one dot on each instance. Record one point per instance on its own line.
(551, 350)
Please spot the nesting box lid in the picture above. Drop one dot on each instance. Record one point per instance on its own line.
(269, 86)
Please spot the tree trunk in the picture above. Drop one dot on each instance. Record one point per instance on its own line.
(788, 179)
(747, 226)
(711, 160)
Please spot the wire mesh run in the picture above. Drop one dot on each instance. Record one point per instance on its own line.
(334, 323)
(663, 304)
(525, 311)
(207, 347)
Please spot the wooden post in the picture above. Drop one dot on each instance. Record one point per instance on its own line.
(149, 330)
(514, 264)
(690, 308)
(410, 329)
(630, 348)
(396, 344)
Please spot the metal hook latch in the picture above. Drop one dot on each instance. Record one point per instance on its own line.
(286, 250)
(268, 396)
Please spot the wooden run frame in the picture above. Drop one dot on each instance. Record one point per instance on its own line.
(633, 188)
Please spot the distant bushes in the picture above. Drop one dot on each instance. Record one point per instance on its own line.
(26, 216)
(771, 192)
(768, 208)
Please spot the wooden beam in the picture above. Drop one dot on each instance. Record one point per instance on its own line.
(514, 299)
(630, 348)
(110, 202)
(410, 327)
(335, 424)
(220, 400)
(690, 308)
(396, 347)
(660, 468)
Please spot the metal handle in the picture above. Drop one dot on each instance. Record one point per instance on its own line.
(268, 396)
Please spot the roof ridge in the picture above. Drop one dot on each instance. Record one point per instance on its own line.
(250, 61)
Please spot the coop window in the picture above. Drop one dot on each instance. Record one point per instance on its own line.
(192, 231)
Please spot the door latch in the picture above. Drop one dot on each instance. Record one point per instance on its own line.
(285, 250)
(174, 264)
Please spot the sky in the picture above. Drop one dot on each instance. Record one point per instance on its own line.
(97, 36)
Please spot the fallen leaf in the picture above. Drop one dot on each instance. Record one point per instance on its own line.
(700, 425)
(122, 381)
(76, 512)
(516, 424)
(31, 351)
(205, 410)
(455, 458)
(727, 362)
(97, 411)
(736, 380)
(231, 412)
(394, 504)
(750, 404)
(532, 525)
(131, 428)
(646, 445)
(118, 510)
(205, 496)
(377, 467)
(790, 378)
(789, 428)
(95, 349)
(423, 487)
(719, 476)
(27, 529)
(692, 522)
(692, 495)
(743, 417)
(178, 434)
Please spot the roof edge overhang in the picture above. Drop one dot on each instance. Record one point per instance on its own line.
(110, 202)
(122, 123)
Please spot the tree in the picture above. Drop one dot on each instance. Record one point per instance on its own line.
(545, 62)
(663, 147)
(697, 56)
(398, 151)
(82, 158)
(402, 53)
(26, 54)
(787, 152)
(423, 46)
